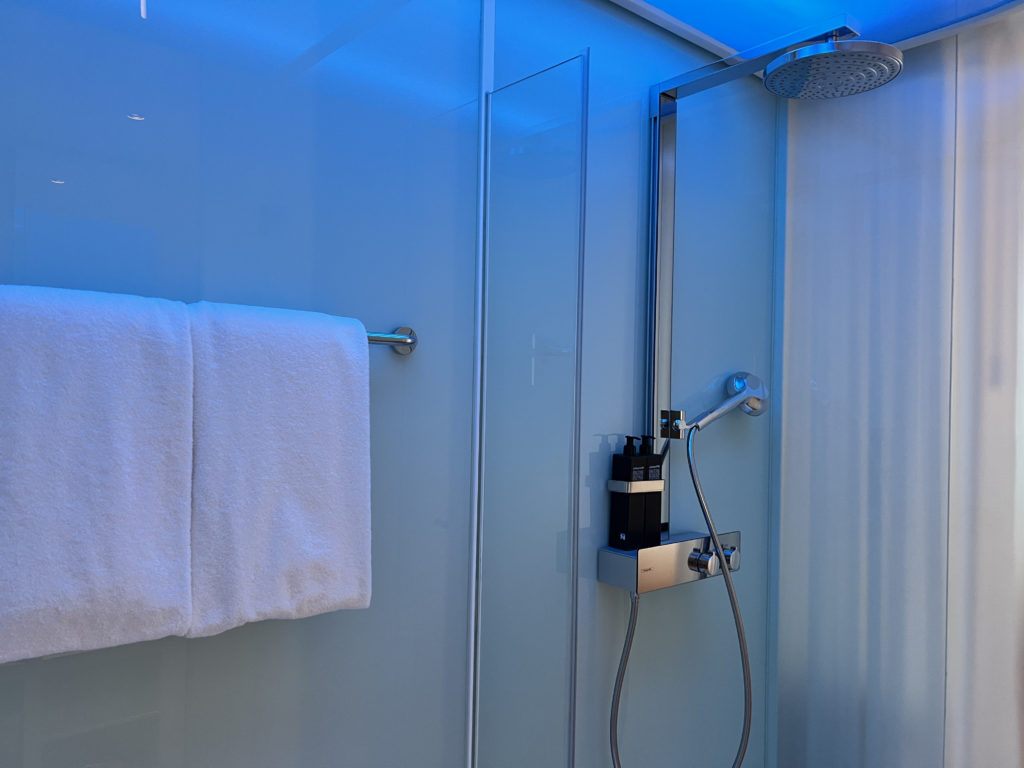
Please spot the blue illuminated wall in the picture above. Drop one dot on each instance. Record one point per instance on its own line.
(310, 155)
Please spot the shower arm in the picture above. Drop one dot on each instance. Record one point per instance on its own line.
(748, 62)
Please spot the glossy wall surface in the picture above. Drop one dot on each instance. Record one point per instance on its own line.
(310, 155)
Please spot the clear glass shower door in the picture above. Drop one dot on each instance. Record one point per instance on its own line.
(529, 512)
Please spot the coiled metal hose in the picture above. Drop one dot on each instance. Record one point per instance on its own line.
(634, 600)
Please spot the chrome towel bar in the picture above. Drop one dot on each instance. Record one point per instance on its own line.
(403, 341)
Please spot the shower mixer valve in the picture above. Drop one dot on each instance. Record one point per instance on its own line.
(683, 558)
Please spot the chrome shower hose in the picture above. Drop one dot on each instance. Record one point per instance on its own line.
(740, 634)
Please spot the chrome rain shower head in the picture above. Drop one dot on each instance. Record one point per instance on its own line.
(742, 390)
(833, 68)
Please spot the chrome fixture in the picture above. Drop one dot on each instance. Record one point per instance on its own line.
(704, 563)
(832, 69)
(683, 558)
(689, 557)
(730, 556)
(403, 341)
(742, 390)
(818, 47)
(822, 61)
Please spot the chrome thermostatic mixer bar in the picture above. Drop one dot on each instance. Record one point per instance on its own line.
(679, 559)
(683, 558)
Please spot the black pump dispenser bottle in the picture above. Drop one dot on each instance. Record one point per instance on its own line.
(628, 466)
(626, 518)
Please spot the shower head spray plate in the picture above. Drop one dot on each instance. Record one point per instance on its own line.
(832, 69)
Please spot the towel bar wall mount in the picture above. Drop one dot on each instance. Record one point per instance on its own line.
(403, 340)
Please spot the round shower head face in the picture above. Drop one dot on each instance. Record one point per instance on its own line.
(832, 69)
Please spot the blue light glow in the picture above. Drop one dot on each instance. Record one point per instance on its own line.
(743, 24)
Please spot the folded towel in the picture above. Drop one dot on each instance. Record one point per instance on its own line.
(95, 470)
(281, 482)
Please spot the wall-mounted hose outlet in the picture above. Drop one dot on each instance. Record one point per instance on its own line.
(683, 558)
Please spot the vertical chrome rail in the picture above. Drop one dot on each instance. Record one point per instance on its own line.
(660, 268)
(664, 98)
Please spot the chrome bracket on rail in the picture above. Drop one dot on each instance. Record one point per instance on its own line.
(673, 423)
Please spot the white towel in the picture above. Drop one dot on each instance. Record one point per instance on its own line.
(95, 465)
(281, 483)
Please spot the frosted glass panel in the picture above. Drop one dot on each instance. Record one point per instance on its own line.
(533, 271)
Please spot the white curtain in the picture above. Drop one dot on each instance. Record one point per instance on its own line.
(984, 720)
(901, 576)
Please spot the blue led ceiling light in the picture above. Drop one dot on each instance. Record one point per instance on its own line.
(743, 24)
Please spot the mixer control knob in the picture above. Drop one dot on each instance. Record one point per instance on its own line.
(732, 557)
(704, 563)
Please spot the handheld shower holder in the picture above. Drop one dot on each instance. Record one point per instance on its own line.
(742, 390)
(672, 424)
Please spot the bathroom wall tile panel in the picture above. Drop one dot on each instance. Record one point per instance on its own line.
(312, 155)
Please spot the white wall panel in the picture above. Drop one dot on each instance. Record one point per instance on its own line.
(310, 155)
